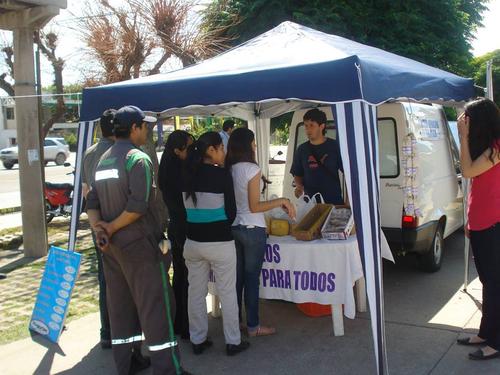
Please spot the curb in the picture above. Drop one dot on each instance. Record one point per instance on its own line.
(9, 210)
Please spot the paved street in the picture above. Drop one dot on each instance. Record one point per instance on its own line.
(9, 186)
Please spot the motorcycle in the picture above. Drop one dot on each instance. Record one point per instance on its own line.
(58, 198)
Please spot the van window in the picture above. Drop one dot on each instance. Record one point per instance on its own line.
(388, 148)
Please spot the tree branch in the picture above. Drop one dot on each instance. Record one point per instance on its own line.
(159, 64)
(48, 45)
(6, 86)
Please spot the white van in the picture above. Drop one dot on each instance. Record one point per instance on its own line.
(421, 195)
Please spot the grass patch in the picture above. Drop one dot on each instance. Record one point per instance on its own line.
(20, 329)
(7, 231)
(17, 331)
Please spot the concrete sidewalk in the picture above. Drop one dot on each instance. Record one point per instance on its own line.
(425, 314)
(302, 346)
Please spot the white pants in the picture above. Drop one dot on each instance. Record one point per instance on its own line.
(221, 257)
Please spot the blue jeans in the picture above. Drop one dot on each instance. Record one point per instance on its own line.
(250, 250)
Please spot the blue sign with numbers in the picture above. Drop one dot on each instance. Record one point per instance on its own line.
(54, 294)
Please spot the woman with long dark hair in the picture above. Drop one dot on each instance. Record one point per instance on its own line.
(249, 227)
(208, 197)
(479, 130)
(170, 169)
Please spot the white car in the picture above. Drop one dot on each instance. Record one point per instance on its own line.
(54, 149)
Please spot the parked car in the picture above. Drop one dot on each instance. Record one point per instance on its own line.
(54, 149)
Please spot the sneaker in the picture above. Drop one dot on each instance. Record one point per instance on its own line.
(138, 363)
(232, 349)
(200, 348)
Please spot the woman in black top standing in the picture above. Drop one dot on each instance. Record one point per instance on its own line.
(169, 173)
(208, 197)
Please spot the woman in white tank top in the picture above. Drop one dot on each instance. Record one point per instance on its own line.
(249, 226)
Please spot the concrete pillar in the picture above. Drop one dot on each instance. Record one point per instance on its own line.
(28, 134)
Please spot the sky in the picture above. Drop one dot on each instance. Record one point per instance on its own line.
(488, 37)
(72, 49)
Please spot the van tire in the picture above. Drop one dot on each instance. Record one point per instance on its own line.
(431, 261)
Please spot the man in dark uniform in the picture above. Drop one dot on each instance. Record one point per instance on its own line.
(89, 165)
(139, 292)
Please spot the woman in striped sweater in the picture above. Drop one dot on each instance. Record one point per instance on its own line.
(208, 197)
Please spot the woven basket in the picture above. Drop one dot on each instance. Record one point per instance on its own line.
(309, 228)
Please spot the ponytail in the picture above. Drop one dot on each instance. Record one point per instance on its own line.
(195, 154)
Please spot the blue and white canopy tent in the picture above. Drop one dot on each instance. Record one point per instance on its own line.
(288, 68)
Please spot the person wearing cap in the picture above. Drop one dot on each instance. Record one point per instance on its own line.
(89, 165)
(128, 232)
(225, 133)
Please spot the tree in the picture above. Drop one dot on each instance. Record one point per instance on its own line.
(47, 42)
(479, 75)
(5, 82)
(138, 37)
(436, 32)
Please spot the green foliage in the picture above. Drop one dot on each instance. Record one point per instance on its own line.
(479, 68)
(436, 32)
(71, 140)
(202, 125)
(72, 88)
(280, 128)
(451, 113)
(280, 136)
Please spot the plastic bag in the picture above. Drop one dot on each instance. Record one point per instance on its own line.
(306, 203)
(278, 212)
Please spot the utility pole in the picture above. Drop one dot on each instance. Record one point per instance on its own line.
(23, 18)
(28, 134)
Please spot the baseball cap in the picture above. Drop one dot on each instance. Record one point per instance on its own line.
(130, 114)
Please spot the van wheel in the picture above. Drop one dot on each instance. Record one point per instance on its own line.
(8, 165)
(60, 159)
(431, 261)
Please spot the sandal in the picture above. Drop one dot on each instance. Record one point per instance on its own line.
(467, 341)
(479, 355)
(262, 331)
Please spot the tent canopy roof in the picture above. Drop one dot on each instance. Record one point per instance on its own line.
(290, 63)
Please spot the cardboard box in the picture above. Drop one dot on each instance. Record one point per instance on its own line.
(339, 224)
(309, 228)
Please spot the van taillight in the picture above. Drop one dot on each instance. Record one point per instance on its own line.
(409, 221)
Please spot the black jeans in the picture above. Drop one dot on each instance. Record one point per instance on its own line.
(180, 283)
(486, 249)
(103, 307)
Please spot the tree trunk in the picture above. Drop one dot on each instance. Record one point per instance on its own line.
(6, 86)
(60, 106)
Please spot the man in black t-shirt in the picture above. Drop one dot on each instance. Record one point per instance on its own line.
(316, 162)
